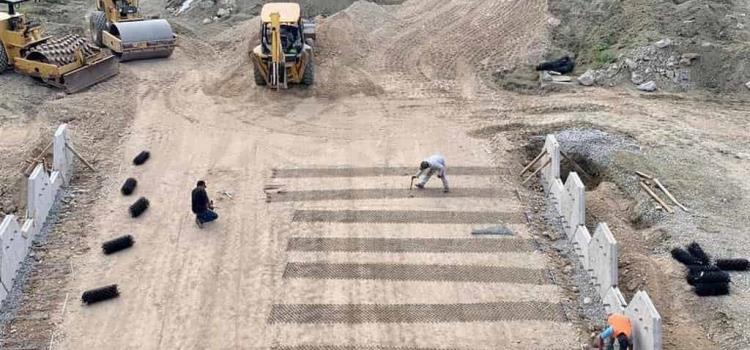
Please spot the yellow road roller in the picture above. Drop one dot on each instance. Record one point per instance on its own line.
(119, 25)
(69, 62)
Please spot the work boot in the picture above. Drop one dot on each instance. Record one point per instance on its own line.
(420, 186)
(445, 190)
(199, 222)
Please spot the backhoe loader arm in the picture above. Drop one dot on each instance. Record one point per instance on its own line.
(276, 48)
(119, 10)
(277, 54)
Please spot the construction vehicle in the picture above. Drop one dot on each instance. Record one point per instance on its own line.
(285, 53)
(119, 25)
(69, 62)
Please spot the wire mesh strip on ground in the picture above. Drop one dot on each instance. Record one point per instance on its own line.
(384, 193)
(349, 347)
(406, 216)
(406, 272)
(415, 313)
(363, 172)
(409, 245)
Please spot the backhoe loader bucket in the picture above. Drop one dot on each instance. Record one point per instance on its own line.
(137, 40)
(90, 74)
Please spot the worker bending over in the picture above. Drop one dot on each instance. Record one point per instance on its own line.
(620, 329)
(434, 164)
(202, 206)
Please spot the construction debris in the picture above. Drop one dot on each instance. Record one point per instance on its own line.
(496, 230)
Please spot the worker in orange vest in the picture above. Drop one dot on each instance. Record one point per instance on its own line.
(620, 329)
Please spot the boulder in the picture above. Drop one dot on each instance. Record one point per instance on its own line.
(587, 79)
(647, 86)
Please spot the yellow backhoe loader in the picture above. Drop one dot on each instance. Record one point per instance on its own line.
(119, 25)
(69, 62)
(285, 53)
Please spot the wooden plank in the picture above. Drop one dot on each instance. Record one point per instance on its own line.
(655, 197)
(544, 151)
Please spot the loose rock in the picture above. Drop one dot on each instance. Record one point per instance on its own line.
(206, 20)
(587, 79)
(747, 85)
(636, 78)
(648, 86)
(663, 43)
(222, 12)
(632, 65)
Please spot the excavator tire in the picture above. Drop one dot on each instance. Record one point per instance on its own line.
(3, 59)
(308, 77)
(98, 24)
(259, 80)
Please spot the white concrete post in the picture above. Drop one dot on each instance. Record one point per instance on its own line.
(603, 259)
(581, 241)
(574, 204)
(39, 195)
(13, 250)
(614, 301)
(62, 157)
(552, 170)
(646, 322)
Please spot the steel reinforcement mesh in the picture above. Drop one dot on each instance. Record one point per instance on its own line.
(383, 193)
(366, 172)
(406, 216)
(409, 245)
(416, 313)
(407, 272)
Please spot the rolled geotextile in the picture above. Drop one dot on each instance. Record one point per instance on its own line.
(100, 294)
(118, 244)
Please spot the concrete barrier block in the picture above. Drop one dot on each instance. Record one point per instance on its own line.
(573, 204)
(552, 171)
(603, 259)
(581, 240)
(30, 231)
(614, 301)
(56, 183)
(39, 194)
(647, 333)
(3, 293)
(14, 248)
(62, 157)
(557, 191)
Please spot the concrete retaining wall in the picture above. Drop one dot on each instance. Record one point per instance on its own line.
(551, 171)
(42, 192)
(597, 254)
(646, 322)
(573, 205)
(603, 259)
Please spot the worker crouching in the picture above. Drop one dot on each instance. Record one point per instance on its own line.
(434, 164)
(202, 206)
(618, 334)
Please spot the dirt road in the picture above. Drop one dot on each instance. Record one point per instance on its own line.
(322, 245)
(343, 259)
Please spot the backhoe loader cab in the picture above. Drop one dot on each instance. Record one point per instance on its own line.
(285, 53)
(69, 62)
